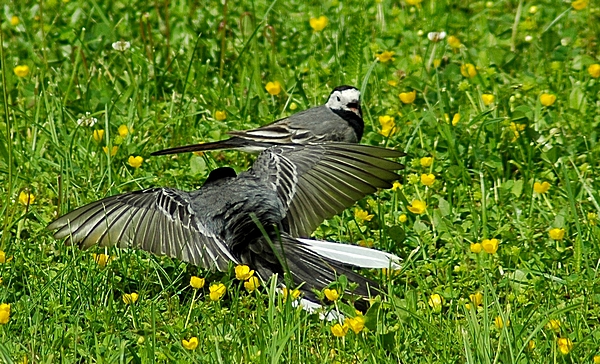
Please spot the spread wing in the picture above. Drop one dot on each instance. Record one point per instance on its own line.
(318, 181)
(158, 220)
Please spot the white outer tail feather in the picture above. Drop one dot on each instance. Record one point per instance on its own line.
(354, 255)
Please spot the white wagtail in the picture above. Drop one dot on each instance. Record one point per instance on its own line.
(288, 191)
(339, 120)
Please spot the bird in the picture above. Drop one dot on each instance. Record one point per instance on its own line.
(339, 120)
(256, 218)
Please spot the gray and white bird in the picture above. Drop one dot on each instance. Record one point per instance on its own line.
(339, 120)
(289, 190)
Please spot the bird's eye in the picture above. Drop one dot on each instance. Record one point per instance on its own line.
(339, 98)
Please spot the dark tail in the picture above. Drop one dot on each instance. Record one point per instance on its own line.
(223, 144)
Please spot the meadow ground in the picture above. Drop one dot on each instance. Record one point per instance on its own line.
(499, 116)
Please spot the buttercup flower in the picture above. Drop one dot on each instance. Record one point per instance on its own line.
(455, 119)
(273, 88)
(594, 70)
(490, 245)
(553, 325)
(26, 198)
(427, 179)
(220, 115)
(356, 324)
(190, 344)
(388, 126)
(197, 282)
(98, 135)
(435, 301)
(476, 248)
(339, 330)
(21, 70)
(413, 2)
(454, 42)
(2, 257)
(596, 359)
(565, 345)
(362, 215)
(121, 46)
(499, 323)
(468, 70)
(547, 99)
(102, 259)
(217, 291)
(476, 298)
(531, 345)
(556, 234)
(385, 56)
(14, 21)
(124, 130)
(541, 187)
(579, 4)
(136, 161)
(243, 272)
(293, 293)
(417, 207)
(113, 150)
(408, 97)
(487, 99)
(129, 298)
(426, 162)
(251, 284)
(516, 129)
(392, 83)
(396, 186)
(319, 23)
(402, 218)
(4, 313)
(331, 294)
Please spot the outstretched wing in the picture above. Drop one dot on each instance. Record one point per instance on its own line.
(318, 181)
(158, 220)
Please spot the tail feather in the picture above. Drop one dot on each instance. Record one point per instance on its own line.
(231, 143)
(357, 256)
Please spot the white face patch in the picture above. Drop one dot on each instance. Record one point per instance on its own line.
(339, 100)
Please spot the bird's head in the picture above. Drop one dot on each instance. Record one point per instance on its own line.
(345, 98)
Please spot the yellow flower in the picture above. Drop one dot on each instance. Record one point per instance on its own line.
(21, 70)
(339, 330)
(557, 234)
(435, 301)
(293, 106)
(273, 88)
(113, 150)
(468, 70)
(217, 291)
(129, 298)
(594, 70)
(516, 128)
(14, 21)
(417, 207)
(386, 57)
(408, 97)
(453, 42)
(190, 344)
(436, 63)
(220, 115)
(455, 119)
(499, 323)
(487, 99)
(579, 5)
(197, 282)
(426, 162)
(393, 83)
(319, 23)
(362, 215)
(2, 257)
(123, 131)
(331, 294)
(547, 99)
(396, 186)
(293, 293)
(252, 284)
(596, 359)
(427, 179)
(243, 272)
(565, 345)
(592, 217)
(98, 135)
(476, 298)
(490, 245)
(102, 259)
(476, 248)
(357, 324)
(541, 187)
(413, 2)
(553, 325)
(135, 162)
(531, 345)
(26, 198)
(388, 126)
(4, 313)
(402, 218)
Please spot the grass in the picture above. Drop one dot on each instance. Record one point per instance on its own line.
(189, 60)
